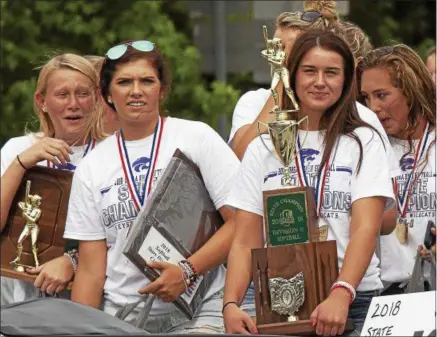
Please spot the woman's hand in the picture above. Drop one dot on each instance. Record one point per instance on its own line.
(53, 276)
(330, 316)
(237, 321)
(54, 150)
(170, 285)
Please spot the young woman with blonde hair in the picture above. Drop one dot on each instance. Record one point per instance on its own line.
(66, 103)
(397, 86)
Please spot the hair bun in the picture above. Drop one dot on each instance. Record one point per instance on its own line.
(328, 8)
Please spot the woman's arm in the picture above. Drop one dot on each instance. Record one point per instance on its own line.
(215, 252)
(330, 316)
(248, 236)
(365, 226)
(244, 136)
(212, 254)
(91, 273)
(389, 221)
(10, 182)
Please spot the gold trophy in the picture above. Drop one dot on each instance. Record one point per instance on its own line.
(283, 130)
(31, 212)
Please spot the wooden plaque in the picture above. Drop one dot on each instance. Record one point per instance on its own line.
(54, 188)
(318, 263)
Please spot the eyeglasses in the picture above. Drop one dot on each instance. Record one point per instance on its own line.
(309, 16)
(118, 51)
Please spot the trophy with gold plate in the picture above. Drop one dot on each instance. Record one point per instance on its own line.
(35, 224)
(296, 270)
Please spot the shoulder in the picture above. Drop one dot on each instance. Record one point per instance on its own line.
(19, 144)
(367, 115)
(254, 96)
(187, 128)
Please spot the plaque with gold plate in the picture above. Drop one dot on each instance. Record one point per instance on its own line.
(296, 270)
(35, 225)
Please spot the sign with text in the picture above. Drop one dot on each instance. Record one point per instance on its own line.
(402, 315)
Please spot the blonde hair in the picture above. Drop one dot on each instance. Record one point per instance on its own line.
(327, 8)
(409, 74)
(354, 36)
(94, 127)
(96, 61)
(357, 40)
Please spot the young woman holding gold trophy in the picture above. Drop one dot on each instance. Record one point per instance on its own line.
(344, 160)
(67, 104)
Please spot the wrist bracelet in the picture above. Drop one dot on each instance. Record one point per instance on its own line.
(347, 286)
(21, 164)
(227, 303)
(72, 255)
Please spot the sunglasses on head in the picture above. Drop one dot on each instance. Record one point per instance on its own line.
(309, 16)
(118, 51)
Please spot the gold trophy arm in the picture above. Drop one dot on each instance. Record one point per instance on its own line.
(33, 216)
(266, 37)
(26, 196)
(261, 133)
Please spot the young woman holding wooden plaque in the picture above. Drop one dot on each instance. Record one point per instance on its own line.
(67, 105)
(344, 159)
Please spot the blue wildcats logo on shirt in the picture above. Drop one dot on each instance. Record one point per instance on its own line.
(309, 154)
(406, 163)
(141, 164)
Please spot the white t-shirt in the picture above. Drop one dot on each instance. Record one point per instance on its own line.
(251, 103)
(398, 259)
(13, 147)
(261, 171)
(101, 208)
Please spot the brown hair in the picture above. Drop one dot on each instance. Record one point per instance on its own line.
(408, 73)
(342, 118)
(154, 57)
(94, 127)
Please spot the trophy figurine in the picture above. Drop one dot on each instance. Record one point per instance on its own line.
(31, 213)
(283, 130)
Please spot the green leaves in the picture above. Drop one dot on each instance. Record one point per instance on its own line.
(35, 30)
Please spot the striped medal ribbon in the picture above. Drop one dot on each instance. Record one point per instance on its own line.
(138, 196)
(303, 180)
(403, 197)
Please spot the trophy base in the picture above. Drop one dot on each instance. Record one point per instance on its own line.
(19, 267)
(301, 327)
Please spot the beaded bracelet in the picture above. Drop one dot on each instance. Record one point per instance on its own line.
(189, 272)
(347, 286)
(73, 256)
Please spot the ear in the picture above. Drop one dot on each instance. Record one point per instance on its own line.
(40, 101)
(110, 99)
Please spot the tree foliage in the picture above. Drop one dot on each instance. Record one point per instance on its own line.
(394, 21)
(33, 31)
